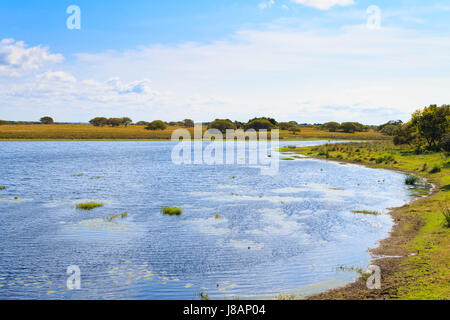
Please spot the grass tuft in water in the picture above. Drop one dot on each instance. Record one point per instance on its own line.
(2, 187)
(89, 205)
(366, 212)
(411, 180)
(218, 216)
(172, 211)
(204, 296)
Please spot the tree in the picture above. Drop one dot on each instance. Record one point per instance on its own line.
(156, 125)
(445, 142)
(294, 129)
(4, 122)
(142, 123)
(404, 134)
(348, 127)
(115, 122)
(47, 120)
(432, 123)
(271, 120)
(222, 125)
(126, 121)
(331, 126)
(259, 124)
(284, 125)
(99, 121)
(389, 130)
(188, 123)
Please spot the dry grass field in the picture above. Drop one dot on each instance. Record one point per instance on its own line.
(89, 132)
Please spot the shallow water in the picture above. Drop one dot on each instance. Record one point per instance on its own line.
(276, 234)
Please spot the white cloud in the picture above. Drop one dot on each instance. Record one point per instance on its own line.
(349, 74)
(265, 5)
(60, 76)
(324, 4)
(16, 59)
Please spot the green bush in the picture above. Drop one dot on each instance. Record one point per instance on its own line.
(222, 125)
(435, 169)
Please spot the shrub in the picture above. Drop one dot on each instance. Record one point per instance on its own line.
(446, 213)
(156, 125)
(411, 180)
(435, 169)
(172, 211)
(89, 205)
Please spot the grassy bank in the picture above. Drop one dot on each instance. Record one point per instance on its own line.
(89, 132)
(418, 266)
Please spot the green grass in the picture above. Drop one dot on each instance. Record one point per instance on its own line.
(446, 213)
(2, 188)
(89, 205)
(172, 211)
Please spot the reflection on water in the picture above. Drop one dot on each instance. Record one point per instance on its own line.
(241, 234)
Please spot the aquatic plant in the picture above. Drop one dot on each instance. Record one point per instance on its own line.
(366, 212)
(77, 175)
(204, 296)
(411, 180)
(287, 159)
(172, 211)
(2, 187)
(218, 216)
(89, 205)
(123, 215)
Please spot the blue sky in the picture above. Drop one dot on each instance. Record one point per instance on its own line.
(304, 60)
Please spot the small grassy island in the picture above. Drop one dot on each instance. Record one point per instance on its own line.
(88, 205)
(172, 211)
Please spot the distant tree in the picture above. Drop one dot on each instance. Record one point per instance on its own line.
(174, 123)
(115, 122)
(432, 123)
(389, 130)
(47, 120)
(259, 124)
(348, 127)
(126, 121)
(239, 125)
(294, 129)
(142, 123)
(99, 121)
(188, 123)
(284, 125)
(222, 125)
(156, 125)
(4, 122)
(390, 123)
(271, 120)
(331, 126)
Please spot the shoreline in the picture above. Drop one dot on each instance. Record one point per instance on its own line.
(391, 253)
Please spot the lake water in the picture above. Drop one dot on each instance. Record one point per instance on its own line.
(288, 233)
